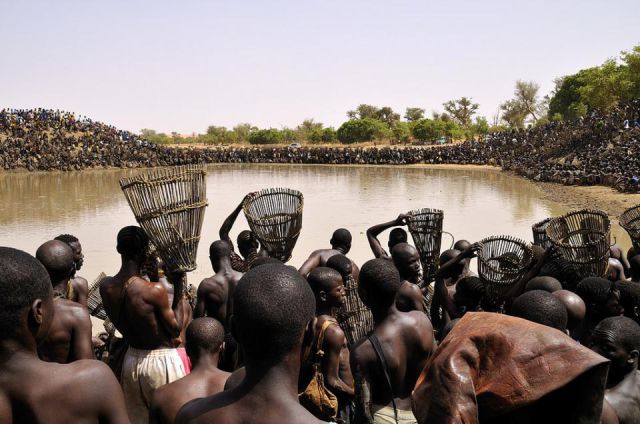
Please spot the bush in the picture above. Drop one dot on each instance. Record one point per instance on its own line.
(361, 130)
(322, 135)
(428, 129)
(401, 132)
(270, 136)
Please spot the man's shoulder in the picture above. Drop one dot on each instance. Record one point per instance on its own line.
(85, 373)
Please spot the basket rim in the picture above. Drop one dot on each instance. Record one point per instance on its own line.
(523, 244)
(624, 218)
(162, 175)
(564, 245)
(537, 225)
(275, 190)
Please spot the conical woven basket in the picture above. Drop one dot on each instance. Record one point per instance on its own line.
(582, 237)
(425, 226)
(169, 204)
(275, 217)
(354, 317)
(630, 221)
(502, 261)
(94, 300)
(539, 230)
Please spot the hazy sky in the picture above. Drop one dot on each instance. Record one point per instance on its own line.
(181, 66)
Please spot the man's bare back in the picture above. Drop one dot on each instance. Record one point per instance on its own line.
(69, 337)
(320, 257)
(215, 295)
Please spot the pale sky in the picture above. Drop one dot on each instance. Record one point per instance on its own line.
(181, 66)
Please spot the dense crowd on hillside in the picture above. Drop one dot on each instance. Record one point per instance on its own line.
(597, 149)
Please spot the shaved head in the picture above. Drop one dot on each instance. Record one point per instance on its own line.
(576, 309)
(57, 258)
(546, 283)
(204, 334)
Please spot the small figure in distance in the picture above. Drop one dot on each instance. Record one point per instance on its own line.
(34, 391)
(69, 337)
(273, 321)
(204, 344)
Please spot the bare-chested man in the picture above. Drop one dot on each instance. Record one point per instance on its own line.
(329, 347)
(69, 337)
(78, 288)
(340, 243)
(215, 297)
(204, 342)
(273, 316)
(398, 347)
(397, 235)
(247, 242)
(33, 391)
(618, 339)
(407, 261)
(140, 310)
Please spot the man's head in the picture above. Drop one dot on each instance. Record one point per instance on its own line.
(576, 309)
(57, 258)
(634, 263)
(327, 286)
(272, 307)
(546, 283)
(263, 260)
(446, 256)
(617, 339)
(341, 240)
(407, 259)
(378, 283)
(542, 307)
(629, 298)
(26, 305)
(219, 251)
(397, 235)
(342, 264)
(247, 243)
(461, 245)
(469, 294)
(600, 296)
(204, 336)
(75, 245)
(133, 244)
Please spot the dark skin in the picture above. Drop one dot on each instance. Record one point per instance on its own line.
(147, 320)
(619, 254)
(623, 380)
(69, 337)
(245, 250)
(321, 256)
(215, 293)
(373, 232)
(407, 260)
(576, 309)
(407, 343)
(205, 380)
(336, 354)
(80, 285)
(595, 314)
(268, 394)
(32, 390)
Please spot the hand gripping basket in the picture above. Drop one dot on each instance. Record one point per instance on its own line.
(502, 261)
(540, 233)
(275, 217)
(582, 238)
(630, 221)
(169, 204)
(425, 226)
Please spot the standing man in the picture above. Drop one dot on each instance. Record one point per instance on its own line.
(42, 392)
(69, 337)
(140, 310)
(247, 242)
(340, 244)
(78, 288)
(397, 235)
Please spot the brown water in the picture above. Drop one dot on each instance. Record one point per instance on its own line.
(477, 203)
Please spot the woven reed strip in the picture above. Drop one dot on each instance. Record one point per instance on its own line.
(539, 230)
(502, 261)
(354, 317)
(425, 226)
(94, 300)
(630, 221)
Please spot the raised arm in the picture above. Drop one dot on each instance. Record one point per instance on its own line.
(231, 219)
(310, 264)
(373, 232)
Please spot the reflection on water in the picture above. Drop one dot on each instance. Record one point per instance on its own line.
(90, 205)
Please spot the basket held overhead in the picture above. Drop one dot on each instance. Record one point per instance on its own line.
(630, 221)
(582, 237)
(169, 204)
(502, 261)
(275, 217)
(425, 226)
(539, 230)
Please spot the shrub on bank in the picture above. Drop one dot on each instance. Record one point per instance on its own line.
(361, 130)
(268, 136)
(322, 135)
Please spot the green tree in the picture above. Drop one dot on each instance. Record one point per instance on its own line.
(401, 132)
(631, 60)
(363, 112)
(242, 132)
(604, 86)
(565, 94)
(288, 135)
(513, 113)
(480, 126)
(428, 129)
(387, 115)
(526, 94)
(361, 130)
(413, 114)
(322, 135)
(461, 110)
(265, 136)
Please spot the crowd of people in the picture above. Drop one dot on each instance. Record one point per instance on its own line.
(392, 340)
(600, 149)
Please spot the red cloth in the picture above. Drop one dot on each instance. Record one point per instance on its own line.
(185, 360)
(494, 368)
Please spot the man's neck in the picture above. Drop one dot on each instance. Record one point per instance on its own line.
(325, 309)
(129, 268)
(206, 362)
(25, 346)
(380, 314)
(615, 380)
(60, 285)
(273, 381)
(221, 265)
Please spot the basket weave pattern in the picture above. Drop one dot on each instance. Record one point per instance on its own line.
(275, 217)
(354, 317)
(425, 226)
(539, 230)
(582, 237)
(502, 261)
(630, 221)
(169, 204)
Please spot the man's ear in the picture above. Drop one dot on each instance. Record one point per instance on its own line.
(323, 295)
(633, 356)
(36, 314)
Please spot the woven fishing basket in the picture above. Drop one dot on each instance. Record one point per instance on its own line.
(582, 237)
(502, 261)
(540, 233)
(425, 226)
(169, 204)
(354, 317)
(275, 217)
(630, 221)
(94, 300)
